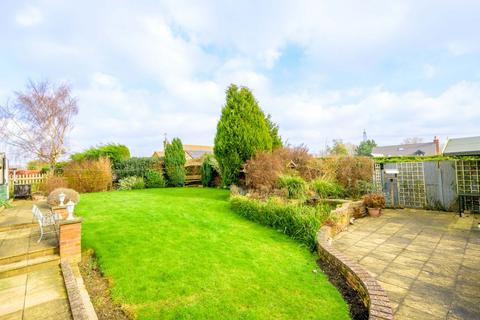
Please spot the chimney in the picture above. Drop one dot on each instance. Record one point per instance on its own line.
(437, 145)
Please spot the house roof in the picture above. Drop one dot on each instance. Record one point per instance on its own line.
(413, 149)
(194, 147)
(193, 150)
(196, 151)
(159, 153)
(469, 146)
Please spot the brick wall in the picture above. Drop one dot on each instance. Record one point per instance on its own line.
(62, 211)
(344, 213)
(371, 293)
(70, 240)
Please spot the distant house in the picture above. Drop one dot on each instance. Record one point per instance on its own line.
(469, 146)
(192, 151)
(413, 149)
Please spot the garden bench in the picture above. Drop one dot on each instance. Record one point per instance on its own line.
(45, 220)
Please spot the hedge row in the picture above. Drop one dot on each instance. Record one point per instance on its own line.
(300, 222)
(137, 167)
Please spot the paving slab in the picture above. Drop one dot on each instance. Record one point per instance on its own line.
(428, 262)
(36, 295)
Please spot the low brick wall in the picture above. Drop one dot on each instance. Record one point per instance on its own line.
(343, 214)
(76, 303)
(371, 293)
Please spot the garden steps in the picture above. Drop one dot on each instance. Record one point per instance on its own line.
(29, 265)
(17, 226)
(29, 255)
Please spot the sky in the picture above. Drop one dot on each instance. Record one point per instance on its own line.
(324, 70)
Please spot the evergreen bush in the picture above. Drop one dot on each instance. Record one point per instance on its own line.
(175, 163)
(154, 179)
(209, 169)
(137, 167)
(115, 152)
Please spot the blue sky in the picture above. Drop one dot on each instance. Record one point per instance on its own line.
(323, 69)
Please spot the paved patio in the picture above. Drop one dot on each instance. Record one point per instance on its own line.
(428, 262)
(31, 282)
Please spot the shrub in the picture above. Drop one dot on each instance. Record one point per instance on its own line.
(374, 200)
(131, 183)
(263, 170)
(209, 170)
(295, 185)
(325, 188)
(115, 152)
(241, 131)
(154, 179)
(305, 164)
(52, 182)
(347, 170)
(89, 175)
(362, 188)
(297, 221)
(70, 194)
(137, 167)
(175, 163)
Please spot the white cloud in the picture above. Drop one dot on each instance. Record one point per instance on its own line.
(29, 17)
(387, 116)
(105, 80)
(144, 69)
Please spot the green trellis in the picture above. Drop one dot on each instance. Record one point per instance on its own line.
(411, 185)
(468, 181)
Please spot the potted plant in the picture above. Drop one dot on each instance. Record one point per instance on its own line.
(374, 203)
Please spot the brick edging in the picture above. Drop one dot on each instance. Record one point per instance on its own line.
(73, 292)
(371, 293)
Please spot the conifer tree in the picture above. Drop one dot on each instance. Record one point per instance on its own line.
(175, 163)
(241, 131)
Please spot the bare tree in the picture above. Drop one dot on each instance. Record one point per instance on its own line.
(412, 140)
(38, 120)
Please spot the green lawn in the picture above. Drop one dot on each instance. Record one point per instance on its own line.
(183, 254)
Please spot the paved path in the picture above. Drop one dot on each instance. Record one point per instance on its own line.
(37, 295)
(428, 262)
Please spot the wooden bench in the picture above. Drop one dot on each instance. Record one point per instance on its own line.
(462, 198)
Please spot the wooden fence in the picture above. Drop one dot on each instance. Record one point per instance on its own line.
(32, 179)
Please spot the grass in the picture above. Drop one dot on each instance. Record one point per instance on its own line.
(183, 254)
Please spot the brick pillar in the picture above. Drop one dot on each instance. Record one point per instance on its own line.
(61, 210)
(70, 240)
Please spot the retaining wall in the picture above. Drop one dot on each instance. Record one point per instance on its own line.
(371, 293)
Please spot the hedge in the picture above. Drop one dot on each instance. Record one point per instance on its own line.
(137, 167)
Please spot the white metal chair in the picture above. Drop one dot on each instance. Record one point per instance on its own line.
(45, 221)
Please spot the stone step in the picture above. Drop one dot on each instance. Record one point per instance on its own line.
(28, 265)
(10, 227)
(29, 255)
